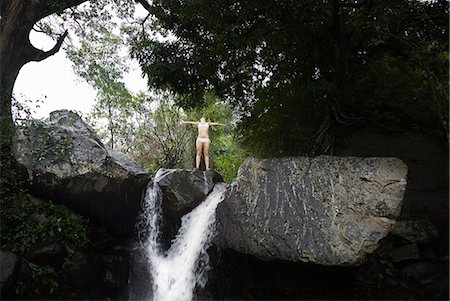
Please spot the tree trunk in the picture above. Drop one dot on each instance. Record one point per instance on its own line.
(17, 20)
(110, 124)
(323, 139)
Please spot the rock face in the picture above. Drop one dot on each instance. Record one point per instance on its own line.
(415, 231)
(50, 254)
(9, 264)
(84, 270)
(184, 189)
(426, 195)
(326, 210)
(116, 271)
(66, 162)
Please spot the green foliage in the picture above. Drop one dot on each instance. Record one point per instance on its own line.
(171, 138)
(160, 142)
(23, 110)
(226, 153)
(227, 156)
(406, 63)
(147, 128)
(44, 282)
(47, 146)
(264, 58)
(44, 279)
(99, 62)
(111, 116)
(57, 6)
(87, 20)
(27, 222)
(289, 65)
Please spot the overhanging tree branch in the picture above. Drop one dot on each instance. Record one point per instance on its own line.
(38, 55)
(145, 4)
(42, 9)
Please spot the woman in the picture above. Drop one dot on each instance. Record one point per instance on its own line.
(203, 141)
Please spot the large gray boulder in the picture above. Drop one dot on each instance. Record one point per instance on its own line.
(184, 189)
(326, 210)
(66, 162)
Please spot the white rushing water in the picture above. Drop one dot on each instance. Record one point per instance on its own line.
(176, 272)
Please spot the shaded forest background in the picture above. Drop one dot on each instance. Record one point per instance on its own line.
(288, 77)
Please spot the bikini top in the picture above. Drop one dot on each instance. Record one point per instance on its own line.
(203, 126)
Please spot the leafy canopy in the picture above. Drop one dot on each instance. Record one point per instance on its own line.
(285, 64)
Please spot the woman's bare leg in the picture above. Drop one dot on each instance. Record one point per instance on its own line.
(206, 154)
(199, 154)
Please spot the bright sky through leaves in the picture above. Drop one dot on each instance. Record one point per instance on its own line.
(54, 82)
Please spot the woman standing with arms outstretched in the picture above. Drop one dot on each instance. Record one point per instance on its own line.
(203, 141)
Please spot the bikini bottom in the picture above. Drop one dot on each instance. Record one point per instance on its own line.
(203, 140)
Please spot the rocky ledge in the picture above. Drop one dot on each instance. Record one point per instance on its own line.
(66, 162)
(184, 189)
(325, 210)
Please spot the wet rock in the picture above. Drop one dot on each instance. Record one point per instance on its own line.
(439, 288)
(100, 239)
(116, 270)
(390, 282)
(25, 278)
(404, 253)
(84, 270)
(326, 210)
(423, 271)
(66, 162)
(238, 276)
(427, 253)
(9, 264)
(415, 231)
(140, 284)
(184, 189)
(47, 254)
(385, 249)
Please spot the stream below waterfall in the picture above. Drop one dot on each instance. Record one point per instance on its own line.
(177, 271)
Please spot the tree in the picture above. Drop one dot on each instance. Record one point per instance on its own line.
(298, 70)
(17, 20)
(169, 140)
(99, 62)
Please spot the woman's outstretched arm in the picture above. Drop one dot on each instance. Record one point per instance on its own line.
(216, 123)
(190, 122)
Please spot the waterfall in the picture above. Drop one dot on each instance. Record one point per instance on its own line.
(176, 272)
